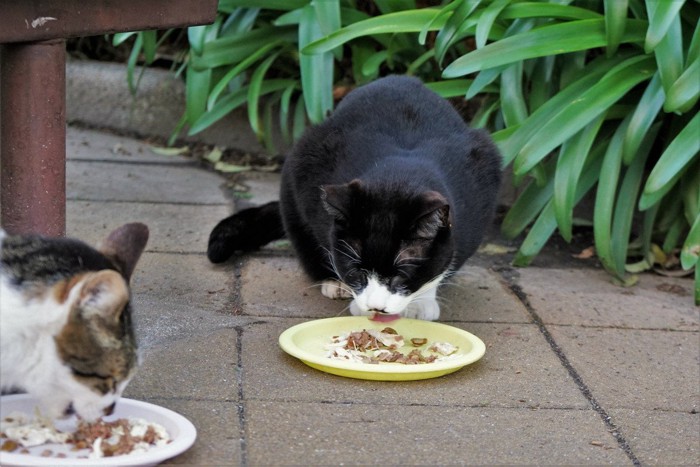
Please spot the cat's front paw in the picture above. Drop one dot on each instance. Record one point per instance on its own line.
(425, 309)
(334, 289)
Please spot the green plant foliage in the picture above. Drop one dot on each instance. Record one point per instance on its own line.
(580, 95)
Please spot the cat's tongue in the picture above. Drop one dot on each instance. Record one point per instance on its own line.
(383, 318)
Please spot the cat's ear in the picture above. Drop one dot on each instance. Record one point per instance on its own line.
(337, 199)
(125, 245)
(433, 214)
(103, 293)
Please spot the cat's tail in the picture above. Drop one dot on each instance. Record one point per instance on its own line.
(246, 230)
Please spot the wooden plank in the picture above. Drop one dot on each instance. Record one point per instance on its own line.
(38, 20)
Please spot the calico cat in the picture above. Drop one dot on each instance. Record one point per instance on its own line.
(382, 201)
(66, 334)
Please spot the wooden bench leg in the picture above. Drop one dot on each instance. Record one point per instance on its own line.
(33, 137)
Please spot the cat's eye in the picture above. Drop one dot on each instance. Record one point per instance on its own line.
(87, 375)
(397, 283)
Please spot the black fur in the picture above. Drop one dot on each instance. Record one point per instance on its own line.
(245, 231)
(392, 183)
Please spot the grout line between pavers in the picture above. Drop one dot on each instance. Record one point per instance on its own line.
(242, 426)
(583, 387)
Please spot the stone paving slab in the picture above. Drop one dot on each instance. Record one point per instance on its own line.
(189, 374)
(478, 294)
(276, 286)
(294, 433)
(587, 297)
(518, 370)
(158, 324)
(632, 368)
(661, 438)
(218, 440)
(169, 277)
(161, 183)
(90, 145)
(173, 227)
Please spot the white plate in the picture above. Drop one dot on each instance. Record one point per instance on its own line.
(181, 431)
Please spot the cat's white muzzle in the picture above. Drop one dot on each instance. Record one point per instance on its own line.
(376, 297)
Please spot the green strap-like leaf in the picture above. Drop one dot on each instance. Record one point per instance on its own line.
(615, 22)
(684, 93)
(542, 74)
(518, 137)
(690, 254)
(253, 97)
(570, 163)
(234, 100)
(583, 109)
(197, 87)
(390, 6)
(404, 21)
(316, 70)
(267, 4)
(450, 87)
(233, 49)
(299, 120)
(328, 17)
(441, 16)
(420, 61)
(526, 208)
(449, 33)
(547, 10)
(487, 19)
(544, 226)
(605, 201)
(237, 70)
(661, 14)
(670, 165)
(370, 67)
(483, 115)
(285, 101)
(120, 37)
(642, 118)
(690, 192)
(669, 54)
(626, 201)
(513, 104)
(483, 80)
(195, 37)
(548, 40)
(694, 47)
(150, 41)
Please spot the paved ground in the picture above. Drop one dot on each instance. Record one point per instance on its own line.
(576, 371)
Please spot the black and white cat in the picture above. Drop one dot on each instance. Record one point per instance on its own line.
(66, 334)
(382, 201)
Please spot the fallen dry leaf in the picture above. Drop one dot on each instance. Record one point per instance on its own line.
(586, 253)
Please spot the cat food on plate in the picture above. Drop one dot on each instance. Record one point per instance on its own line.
(315, 342)
(100, 438)
(137, 433)
(373, 346)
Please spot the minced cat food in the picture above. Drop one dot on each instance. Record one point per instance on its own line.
(372, 346)
(100, 438)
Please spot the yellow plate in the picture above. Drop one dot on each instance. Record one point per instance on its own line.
(307, 341)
